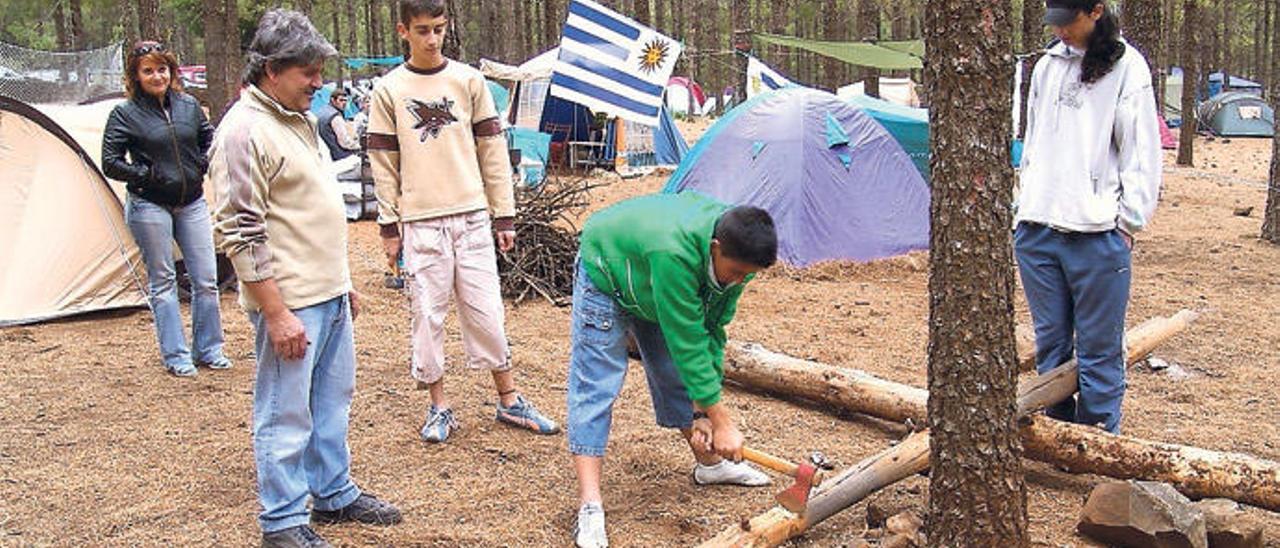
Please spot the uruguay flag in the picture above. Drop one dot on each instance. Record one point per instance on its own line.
(609, 63)
(761, 78)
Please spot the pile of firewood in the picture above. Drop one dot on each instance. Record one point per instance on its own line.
(546, 241)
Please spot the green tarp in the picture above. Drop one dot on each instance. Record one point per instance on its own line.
(894, 55)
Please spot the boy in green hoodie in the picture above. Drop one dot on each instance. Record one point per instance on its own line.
(668, 268)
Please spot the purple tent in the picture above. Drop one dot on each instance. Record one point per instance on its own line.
(837, 184)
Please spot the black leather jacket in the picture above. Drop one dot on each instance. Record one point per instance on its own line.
(168, 148)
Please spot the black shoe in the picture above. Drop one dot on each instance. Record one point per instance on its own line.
(294, 537)
(365, 509)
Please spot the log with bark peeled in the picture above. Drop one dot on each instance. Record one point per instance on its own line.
(1196, 473)
(909, 457)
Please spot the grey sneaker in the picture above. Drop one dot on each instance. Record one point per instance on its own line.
(523, 414)
(590, 532)
(440, 423)
(294, 537)
(221, 363)
(365, 509)
(184, 370)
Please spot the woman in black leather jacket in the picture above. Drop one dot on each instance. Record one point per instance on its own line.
(166, 138)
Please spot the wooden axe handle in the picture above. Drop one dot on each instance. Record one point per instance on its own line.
(769, 461)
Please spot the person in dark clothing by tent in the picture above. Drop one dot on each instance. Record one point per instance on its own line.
(335, 132)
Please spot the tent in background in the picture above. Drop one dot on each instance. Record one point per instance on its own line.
(837, 183)
(613, 142)
(1237, 84)
(68, 250)
(901, 91)
(909, 126)
(1237, 114)
(684, 97)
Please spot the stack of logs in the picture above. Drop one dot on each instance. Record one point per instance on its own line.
(1197, 473)
(541, 265)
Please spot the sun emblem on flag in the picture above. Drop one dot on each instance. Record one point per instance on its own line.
(654, 55)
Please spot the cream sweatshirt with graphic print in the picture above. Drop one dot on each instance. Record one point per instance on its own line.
(436, 146)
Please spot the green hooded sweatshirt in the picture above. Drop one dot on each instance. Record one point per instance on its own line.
(652, 254)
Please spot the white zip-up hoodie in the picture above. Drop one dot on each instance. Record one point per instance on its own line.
(1091, 158)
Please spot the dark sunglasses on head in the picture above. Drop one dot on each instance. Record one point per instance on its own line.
(148, 47)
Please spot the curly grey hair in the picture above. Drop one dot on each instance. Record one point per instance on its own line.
(285, 38)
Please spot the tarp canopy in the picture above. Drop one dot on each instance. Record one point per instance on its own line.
(537, 67)
(838, 185)
(66, 247)
(895, 55)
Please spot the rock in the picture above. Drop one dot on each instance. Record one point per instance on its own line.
(1242, 211)
(1177, 372)
(858, 543)
(904, 523)
(1157, 364)
(900, 541)
(1228, 525)
(881, 509)
(1142, 513)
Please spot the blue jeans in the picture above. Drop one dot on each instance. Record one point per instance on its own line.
(598, 365)
(1077, 286)
(155, 227)
(300, 414)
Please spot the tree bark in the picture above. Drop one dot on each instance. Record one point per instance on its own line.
(833, 25)
(453, 39)
(215, 24)
(60, 27)
(869, 30)
(337, 43)
(1032, 42)
(1142, 25)
(375, 28)
(977, 495)
(643, 13)
(1227, 32)
(149, 19)
(77, 25)
(304, 6)
(1271, 219)
(232, 61)
(1190, 81)
(742, 18)
(779, 13)
(352, 36)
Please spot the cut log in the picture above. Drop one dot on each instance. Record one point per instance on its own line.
(861, 392)
(1196, 473)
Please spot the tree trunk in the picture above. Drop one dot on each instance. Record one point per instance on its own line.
(232, 51)
(353, 24)
(376, 28)
(1032, 42)
(643, 13)
(1271, 220)
(552, 21)
(149, 19)
(1190, 81)
(779, 13)
(60, 27)
(869, 30)
(977, 496)
(832, 26)
(453, 39)
(1227, 32)
(304, 6)
(1269, 71)
(1142, 25)
(741, 47)
(215, 44)
(77, 26)
(337, 44)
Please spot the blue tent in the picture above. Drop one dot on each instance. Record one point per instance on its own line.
(1237, 84)
(837, 183)
(909, 126)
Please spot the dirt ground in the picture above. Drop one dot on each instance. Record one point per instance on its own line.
(98, 446)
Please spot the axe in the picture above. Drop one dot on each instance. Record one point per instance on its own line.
(807, 475)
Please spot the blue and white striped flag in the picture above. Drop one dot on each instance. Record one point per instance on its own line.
(761, 78)
(609, 63)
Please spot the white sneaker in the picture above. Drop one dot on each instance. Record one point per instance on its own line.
(728, 472)
(590, 530)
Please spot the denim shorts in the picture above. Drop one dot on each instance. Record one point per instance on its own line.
(598, 366)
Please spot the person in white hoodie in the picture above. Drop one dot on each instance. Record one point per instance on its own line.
(1090, 180)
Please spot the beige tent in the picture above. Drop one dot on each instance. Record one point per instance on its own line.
(64, 246)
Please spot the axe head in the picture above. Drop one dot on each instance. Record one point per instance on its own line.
(796, 497)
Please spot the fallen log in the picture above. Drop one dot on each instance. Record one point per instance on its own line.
(1195, 472)
(909, 457)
